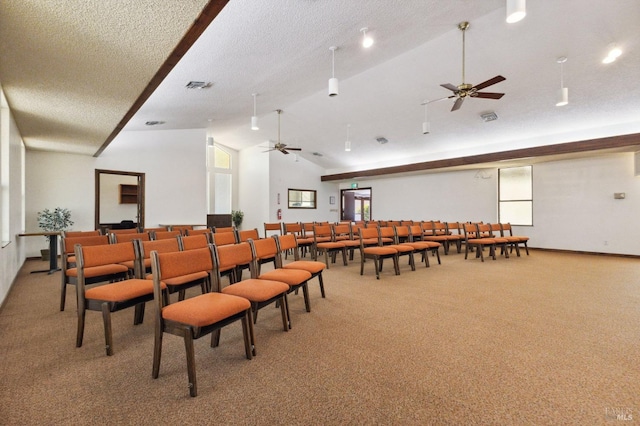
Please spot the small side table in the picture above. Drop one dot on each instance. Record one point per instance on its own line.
(53, 249)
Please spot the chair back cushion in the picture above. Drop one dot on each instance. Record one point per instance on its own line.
(179, 263)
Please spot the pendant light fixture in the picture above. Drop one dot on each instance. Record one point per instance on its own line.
(563, 93)
(367, 41)
(254, 117)
(516, 10)
(426, 127)
(347, 143)
(333, 81)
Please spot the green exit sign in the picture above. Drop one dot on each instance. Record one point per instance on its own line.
(354, 185)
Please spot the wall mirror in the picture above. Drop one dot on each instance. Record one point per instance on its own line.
(119, 199)
(302, 199)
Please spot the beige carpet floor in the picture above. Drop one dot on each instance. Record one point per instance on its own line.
(551, 338)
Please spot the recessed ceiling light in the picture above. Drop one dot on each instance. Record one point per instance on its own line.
(612, 54)
(154, 123)
(198, 85)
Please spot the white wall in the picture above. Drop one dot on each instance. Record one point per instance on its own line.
(285, 173)
(253, 187)
(173, 161)
(574, 208)
(447, 196)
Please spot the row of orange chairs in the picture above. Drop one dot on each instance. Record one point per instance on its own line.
(173, 270)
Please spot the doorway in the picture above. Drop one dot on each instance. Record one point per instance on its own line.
(355, 204)
(119, 199)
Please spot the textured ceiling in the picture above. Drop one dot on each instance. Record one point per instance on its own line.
(71, 69)
(70, 80)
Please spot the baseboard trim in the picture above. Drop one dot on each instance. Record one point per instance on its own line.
(593, 253)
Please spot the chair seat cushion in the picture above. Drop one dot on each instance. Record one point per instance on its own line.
(289, 276)
(402, 248)
(256, 290)
(130, 264)
(184, 279)
(351, 243)
(205, 309)
(306, 265)
(481, 241)
(97, 271)
(380, 251)
(330, 245)
(370, 241)
(121, 290)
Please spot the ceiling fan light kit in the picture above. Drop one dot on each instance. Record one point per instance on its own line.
(333, 81)
(467, 90)
(426, 126)
(254, 117)
(516, 10)
(279, 146)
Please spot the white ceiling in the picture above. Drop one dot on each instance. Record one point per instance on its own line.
(280, 50)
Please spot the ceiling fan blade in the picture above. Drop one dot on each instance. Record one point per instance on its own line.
(457, 104)
(284, 151)
(294, 149)
(487, 95)
(450, 87)
(490, 82)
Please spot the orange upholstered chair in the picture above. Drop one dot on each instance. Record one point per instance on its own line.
(197, 316)
(220, 229)
(181, 228)
(206, 231)
(506, 231)
(123, 231)
(473, 239)
(244, 235)
(102, 263)
(323, 243)
(224, 238)
(274, 228)
(260, 293)
(416, 235)
(388, 232)
(191, 242)
(342, 232)
(288, 243)
(167, 245)
(162, 235)
(124, 238)
(69, 273)
(403, 236)
(376, 253)
(295, 278)
(304, 243)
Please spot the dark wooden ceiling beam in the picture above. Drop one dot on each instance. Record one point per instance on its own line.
(600, 144)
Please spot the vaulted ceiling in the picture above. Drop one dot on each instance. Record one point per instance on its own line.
(76, 73)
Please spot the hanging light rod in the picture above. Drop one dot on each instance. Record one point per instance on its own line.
(254, 117)
(563, 93)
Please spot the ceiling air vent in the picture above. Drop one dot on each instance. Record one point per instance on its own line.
(382, 140)
(489, 116)
(198, 85)
(154, 123)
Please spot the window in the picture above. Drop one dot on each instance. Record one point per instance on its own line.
(515, 195)
(5, 118)
(220, 180)
(302, 199)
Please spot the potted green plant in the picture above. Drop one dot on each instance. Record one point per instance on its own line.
(53, 221)
(236, 217)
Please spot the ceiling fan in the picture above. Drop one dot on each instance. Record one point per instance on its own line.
(279, 146)
(465, 90)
